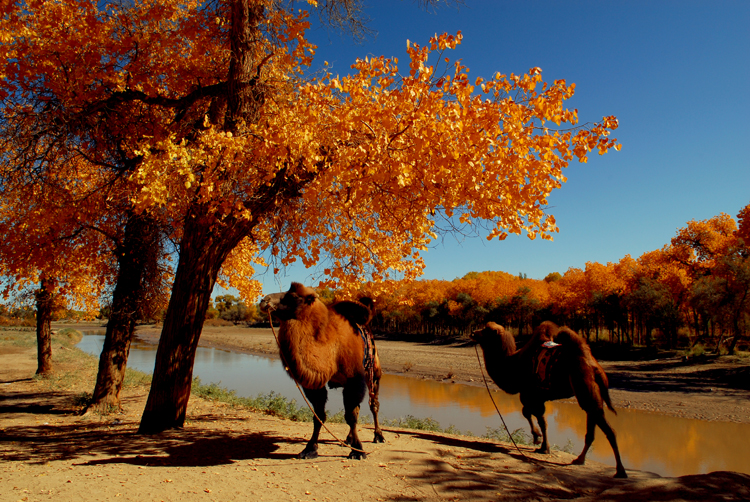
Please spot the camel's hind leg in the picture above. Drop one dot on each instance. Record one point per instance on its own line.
(590, 431)
(593, 419)
(374, 408)
(317, 398)
(612, 438)
(354, 393)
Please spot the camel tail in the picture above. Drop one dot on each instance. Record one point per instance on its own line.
(603, 382)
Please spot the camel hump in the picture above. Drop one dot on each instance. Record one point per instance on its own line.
(568, 337)
(545, 332)
(303, 291)
(354, 312)
(495, 327)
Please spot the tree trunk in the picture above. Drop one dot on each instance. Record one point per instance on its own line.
(43, 327)
(202, 253)
(207, 242)
(245, 95)
(204, 246)
(139, 252)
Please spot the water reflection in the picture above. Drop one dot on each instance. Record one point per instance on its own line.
(666, 445)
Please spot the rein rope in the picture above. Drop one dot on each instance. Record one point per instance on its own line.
(342, 443)
(489, 392)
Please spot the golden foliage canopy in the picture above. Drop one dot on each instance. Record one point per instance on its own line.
(354, 169)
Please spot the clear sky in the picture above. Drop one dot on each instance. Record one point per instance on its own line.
(675, 73)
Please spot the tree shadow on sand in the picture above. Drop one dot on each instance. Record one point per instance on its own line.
(191, 446)
(121, 443)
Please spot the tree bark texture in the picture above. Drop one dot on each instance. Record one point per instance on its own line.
(203, 251)
(44, 327)
(244, 95)
(138, 252)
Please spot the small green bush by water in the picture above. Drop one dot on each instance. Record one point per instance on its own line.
(500, 434)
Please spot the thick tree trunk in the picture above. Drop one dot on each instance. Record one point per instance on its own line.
(206, 242)
(202, 253)
(139, 252)
(44, 327)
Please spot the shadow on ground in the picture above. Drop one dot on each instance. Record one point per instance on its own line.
(178, 448)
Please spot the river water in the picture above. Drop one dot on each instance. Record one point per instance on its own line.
(668, 446)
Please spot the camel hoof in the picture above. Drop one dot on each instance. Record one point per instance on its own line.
(621, 474)
(379, 438)
(357, 455)
(308, 454)
(542, 450)
(578, 461)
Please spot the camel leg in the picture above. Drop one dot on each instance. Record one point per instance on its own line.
(527, 412)
(535, 433)
(354, 393)
(537, 410)
(544, 448)
(374, 408)
(611, 437)
(317, 398)
(590, 431)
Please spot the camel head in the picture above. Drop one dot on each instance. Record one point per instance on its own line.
(288, 305)
(493, 336)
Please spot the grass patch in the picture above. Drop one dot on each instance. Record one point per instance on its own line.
(412, 422)
(696, 350)
(271, 403)
(520, 436)
(135, 378)
(18, 338)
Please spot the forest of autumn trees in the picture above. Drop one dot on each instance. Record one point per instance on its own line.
(136, 131)
(695, 290)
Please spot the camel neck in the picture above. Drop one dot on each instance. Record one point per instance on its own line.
(501, 361)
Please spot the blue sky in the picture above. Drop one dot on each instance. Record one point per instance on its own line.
(675, 73)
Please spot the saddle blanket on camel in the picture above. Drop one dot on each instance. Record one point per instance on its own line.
(544, 363)
(368, 360)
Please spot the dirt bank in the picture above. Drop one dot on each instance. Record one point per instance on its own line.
(49, 453)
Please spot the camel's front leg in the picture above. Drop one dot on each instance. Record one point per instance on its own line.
(317, 398)
(535, 433)
(544, 448)
(354, 393)
(535, 407)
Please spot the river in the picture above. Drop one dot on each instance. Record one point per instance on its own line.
(666, 445)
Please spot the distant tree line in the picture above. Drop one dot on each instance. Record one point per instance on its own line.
(694, 291)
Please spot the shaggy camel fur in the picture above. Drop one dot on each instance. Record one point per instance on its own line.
(322, 345)
(542, 373)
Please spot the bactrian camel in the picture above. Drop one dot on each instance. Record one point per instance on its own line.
(542, 371)
(322, 345)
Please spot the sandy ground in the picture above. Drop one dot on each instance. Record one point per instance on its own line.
(48, 452)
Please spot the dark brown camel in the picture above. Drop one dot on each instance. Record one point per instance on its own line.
(322, 345)
(540, 373)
